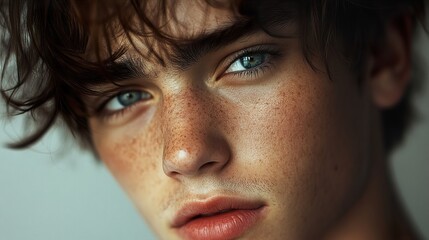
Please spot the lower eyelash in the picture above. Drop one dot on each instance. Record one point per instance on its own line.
(272, 52)
(254, 72)
(112, 116)
(261, 69)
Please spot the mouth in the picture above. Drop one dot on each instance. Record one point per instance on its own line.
(219, 218)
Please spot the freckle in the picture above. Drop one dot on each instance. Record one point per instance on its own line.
(336, 167)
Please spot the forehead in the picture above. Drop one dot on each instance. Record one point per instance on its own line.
(194, 18)
(154, 27)
(160, 32)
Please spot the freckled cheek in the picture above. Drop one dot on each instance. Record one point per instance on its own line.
(311, 149)
(131, 156)
(277, 127)
(291, 134)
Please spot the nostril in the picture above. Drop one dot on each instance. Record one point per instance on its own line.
(207, 165)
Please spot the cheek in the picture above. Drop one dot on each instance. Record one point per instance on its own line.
(300, 141)
(130, 156)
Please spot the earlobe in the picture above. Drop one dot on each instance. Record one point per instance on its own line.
(390, 63)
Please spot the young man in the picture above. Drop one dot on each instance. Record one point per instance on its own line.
(227, 119)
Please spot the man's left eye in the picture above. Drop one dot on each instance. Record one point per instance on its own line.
(247, 62)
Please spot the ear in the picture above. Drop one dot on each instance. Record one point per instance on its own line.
(390, 63)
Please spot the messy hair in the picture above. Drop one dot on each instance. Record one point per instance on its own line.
(45, 43)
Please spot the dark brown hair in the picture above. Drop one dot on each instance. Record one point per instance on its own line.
(46, 69)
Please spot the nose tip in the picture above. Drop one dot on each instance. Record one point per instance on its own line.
(190, 157)
(193, 140)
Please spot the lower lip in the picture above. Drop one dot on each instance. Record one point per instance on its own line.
(223, 226)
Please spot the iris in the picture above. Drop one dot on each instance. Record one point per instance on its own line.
(251, 61)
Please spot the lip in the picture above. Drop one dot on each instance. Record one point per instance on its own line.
(217, 218)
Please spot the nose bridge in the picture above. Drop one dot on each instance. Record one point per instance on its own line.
(191, 142)
(184, 114)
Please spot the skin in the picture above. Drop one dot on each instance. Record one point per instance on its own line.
(307, 146)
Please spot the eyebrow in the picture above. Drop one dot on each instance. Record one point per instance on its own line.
(127, 68)
(184, 55)
(188, 53)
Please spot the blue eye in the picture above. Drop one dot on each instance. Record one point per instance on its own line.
(247, 62)
(126, 99)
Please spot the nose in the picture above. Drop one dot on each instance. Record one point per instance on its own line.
(193, 144)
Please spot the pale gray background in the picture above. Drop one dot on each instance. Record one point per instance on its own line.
(46, 194)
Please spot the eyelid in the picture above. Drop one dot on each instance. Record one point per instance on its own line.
(122, 115)
(271, 49)
(99, 102)
(113, 97)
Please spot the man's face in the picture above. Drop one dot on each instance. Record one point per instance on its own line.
(245, 140)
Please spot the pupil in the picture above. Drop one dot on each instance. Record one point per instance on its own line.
(129, 98)
(252, 61)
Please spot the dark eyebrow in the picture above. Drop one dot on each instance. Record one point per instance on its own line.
(127, 68)
(185, 54)
(190, 52)
(123, 68)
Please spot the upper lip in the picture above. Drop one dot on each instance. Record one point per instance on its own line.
(192, 210)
